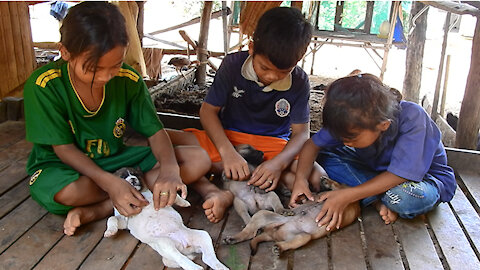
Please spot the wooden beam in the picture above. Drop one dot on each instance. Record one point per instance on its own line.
(454, 7)
(215, 15)
(165, 41)
(190, 52)
(469, 118)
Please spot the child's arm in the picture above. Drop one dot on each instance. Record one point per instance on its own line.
(306, 159)
(168, 179)
(271, 170)
(337, 200)
(125, 198)
(234, 165)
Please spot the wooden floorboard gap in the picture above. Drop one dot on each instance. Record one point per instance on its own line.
(467, 193)
(436, 244)
(465, 231)
(403, 256)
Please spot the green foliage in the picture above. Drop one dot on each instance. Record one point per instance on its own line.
(354, 14)
(326, 18)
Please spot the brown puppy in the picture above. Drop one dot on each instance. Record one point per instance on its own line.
(250, 199)
(291, 232)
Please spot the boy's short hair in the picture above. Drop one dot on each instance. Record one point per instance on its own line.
(282, 35)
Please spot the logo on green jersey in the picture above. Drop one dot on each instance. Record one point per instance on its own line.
(119, 128)
(34, 177)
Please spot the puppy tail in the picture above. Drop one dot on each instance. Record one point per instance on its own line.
(181, 201)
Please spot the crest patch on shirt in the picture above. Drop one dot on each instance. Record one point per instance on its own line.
(237, 92)
(282, 107)
(119, 128)
(34, 177)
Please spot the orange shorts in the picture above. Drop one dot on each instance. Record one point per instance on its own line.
(270, 146)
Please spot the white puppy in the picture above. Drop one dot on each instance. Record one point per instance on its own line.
(164, 230)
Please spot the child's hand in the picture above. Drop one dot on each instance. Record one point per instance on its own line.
(266, 175)
(126, 199)
(332, 210)
(300, 189)
(235, 166)
(165, 190)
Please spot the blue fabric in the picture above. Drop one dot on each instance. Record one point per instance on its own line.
(246, 108)
(411, 148)
(59, 9)
(408, 199)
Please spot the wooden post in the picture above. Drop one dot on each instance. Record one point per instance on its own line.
(388, 46)
(445, 85)
(415, 51)
(368, 17)
(436, 97)
(202, 53)
(469, 119)
(226, 40)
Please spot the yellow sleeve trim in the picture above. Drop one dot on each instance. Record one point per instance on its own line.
(47, 76)
(129, 74)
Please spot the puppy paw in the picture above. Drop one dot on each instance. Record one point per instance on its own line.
(229, 240)
(110, 233)
(276, 250)
(287, 213)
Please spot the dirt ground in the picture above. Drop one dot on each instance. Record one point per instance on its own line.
(189, 100)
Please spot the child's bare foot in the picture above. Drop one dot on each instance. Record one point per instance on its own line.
(216, 203)
(387, 215)
(73, 221)
(83, 215)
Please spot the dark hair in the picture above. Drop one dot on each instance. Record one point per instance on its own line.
(96, 27)
(282, 35)
(357, 102)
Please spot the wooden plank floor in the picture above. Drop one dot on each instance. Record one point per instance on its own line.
(31, 238)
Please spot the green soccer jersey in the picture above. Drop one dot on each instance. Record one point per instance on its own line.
(55, 114)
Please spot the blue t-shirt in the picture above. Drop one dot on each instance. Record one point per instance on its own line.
(410, 148)
(246, 108)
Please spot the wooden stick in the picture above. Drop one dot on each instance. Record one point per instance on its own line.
(445, 84)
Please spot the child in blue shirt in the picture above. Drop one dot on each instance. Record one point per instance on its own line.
(259, 97)
(388, 152)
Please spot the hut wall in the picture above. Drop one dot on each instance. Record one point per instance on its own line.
(17, 58)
